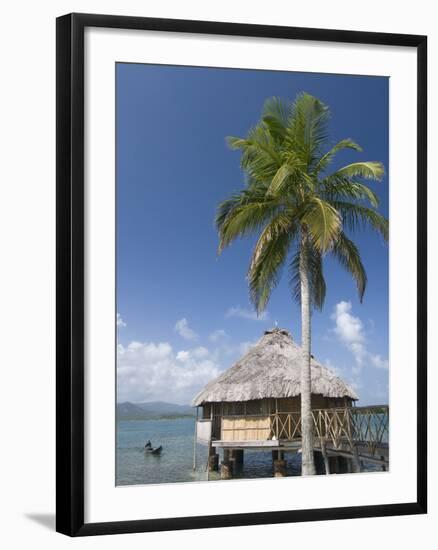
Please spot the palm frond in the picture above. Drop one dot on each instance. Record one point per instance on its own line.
(371, 170)
(326, 159)
(260, 156)
(356, 216)
(255, 192)
(288, 173)
(307, 127)
(347, 254)
(342, 187)
(323, 222)
(236, 218)
(269, 255)
(275, 116)
(236, 143)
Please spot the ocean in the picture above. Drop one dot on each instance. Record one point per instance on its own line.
(175, 463)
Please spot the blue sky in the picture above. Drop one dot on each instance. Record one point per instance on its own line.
(184, 313)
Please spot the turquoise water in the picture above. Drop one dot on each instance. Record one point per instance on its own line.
(175, 463)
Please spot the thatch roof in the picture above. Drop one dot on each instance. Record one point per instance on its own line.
(272, 368)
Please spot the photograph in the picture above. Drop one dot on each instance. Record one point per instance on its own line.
(252, 274)
(217, 275)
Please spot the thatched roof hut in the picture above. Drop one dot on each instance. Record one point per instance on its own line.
(272, 369)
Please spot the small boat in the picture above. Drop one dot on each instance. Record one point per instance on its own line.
(153, 450)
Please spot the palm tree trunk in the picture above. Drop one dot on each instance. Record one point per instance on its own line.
(308, 464)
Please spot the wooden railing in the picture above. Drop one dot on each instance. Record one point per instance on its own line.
(286, 425)
(365, 426)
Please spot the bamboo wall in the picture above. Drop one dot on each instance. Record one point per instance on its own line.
(256, 428)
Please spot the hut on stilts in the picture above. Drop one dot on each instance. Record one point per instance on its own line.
(255, 405)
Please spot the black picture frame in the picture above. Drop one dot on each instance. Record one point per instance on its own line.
(70, 273)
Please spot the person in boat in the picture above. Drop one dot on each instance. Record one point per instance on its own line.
(153, 450)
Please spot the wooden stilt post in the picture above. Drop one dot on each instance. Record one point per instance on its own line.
(279, 468)
(333, 464)
(325, 457)
(227, 465)
(357, 466)
(213, 461)
(236, 460)
(226, 470)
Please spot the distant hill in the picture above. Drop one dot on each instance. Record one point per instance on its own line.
(129, 411)
(153, 409)
(160, 407)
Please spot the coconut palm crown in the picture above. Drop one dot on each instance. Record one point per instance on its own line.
(301, 211)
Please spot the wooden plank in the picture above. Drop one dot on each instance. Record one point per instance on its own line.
(363, 458)
(255, 445)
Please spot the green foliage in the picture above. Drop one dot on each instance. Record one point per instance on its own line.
(347, 254)
(367, 170)
(294, 205)
(268, 257)
(322, 221)
(326, 159)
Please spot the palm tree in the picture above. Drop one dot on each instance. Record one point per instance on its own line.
(300, 212)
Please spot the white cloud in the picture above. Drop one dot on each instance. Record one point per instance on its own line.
(200, 352)
(196, 353)
(183, 329)
(183, 356)
(148, 371)
(155, 371)
(120, 322)
(379, 362)
(350, 331)
(244, 313)
(218, 336)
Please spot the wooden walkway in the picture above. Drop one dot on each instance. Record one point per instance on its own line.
(357, 433)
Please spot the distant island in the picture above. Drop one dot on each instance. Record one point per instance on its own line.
(153, 410)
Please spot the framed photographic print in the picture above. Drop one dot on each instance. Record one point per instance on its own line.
(241, 274)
